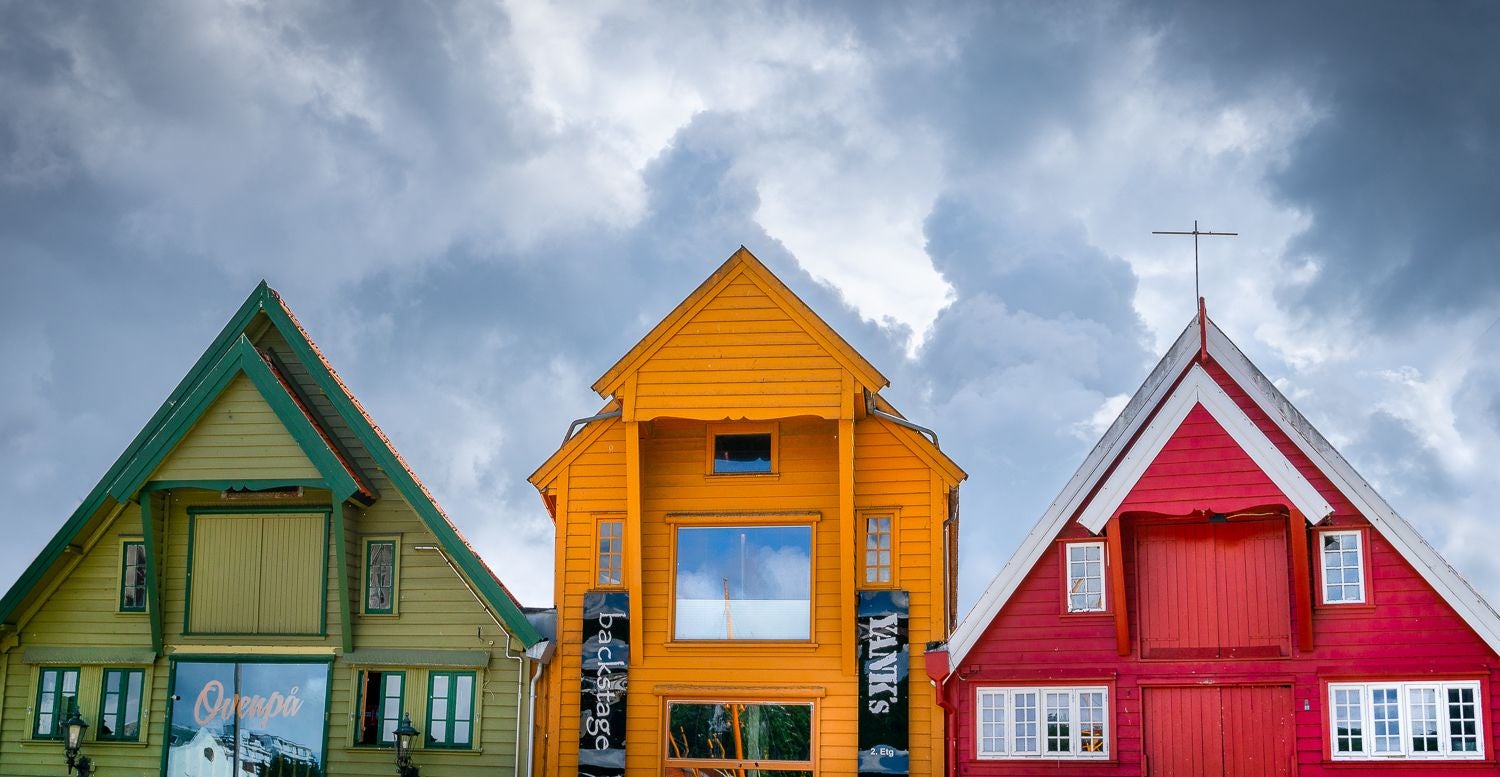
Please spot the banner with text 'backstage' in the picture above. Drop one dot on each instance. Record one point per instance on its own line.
(606, 659)
(884, 721)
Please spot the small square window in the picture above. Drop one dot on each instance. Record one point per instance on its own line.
(609, 559)
(133, 576)
(879, 554)
(1343, 567)
(381, 567)
(1085, 562)
(739, 454)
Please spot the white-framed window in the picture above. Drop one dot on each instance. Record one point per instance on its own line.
(1343, 566)
(1085, 576)
(1408, 720)
(1049, 723)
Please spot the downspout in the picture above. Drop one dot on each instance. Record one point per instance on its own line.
(568, 435)
(540, 653)
(520, 660)
(936, 657)
(872, 402)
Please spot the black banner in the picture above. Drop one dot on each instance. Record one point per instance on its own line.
(606, 660)
(884, 719)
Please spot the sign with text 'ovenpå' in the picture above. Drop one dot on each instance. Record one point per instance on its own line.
(884, 721)
(606, 660)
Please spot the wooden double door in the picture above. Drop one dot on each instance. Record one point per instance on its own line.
(1234, 731)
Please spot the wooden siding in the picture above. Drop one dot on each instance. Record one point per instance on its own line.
(238, 437)
(257, 573)
(1234, 731)
(741, 355)
(1406, 632)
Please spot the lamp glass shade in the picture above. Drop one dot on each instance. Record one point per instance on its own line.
(75, 726)
(405, 733)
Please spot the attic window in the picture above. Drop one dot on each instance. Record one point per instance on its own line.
(740, 449)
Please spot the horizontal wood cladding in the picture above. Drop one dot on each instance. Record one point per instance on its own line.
(740, 352)
(238, 437)
(1406, 631)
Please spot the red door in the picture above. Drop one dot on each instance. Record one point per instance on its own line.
(1235, 731)
(1213, 590)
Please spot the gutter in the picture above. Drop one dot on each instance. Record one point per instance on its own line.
(936, 663)
(540, 654)
(872, 402)
(568, 435)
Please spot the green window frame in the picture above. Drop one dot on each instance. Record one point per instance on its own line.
(133, 576)
(450, 710)
(56, 696)
(121, 693)
(380, 711)
(380, 577)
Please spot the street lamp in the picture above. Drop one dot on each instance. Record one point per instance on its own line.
(75, 726)
(405, 735)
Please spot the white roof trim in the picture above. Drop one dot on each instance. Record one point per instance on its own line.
(1197, 388)
(1444, 579)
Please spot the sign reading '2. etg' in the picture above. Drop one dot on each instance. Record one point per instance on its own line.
(606, 660)
(884, 720)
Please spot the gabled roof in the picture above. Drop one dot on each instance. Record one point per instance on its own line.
(230, 354)
(741, 263)
(1095, 490)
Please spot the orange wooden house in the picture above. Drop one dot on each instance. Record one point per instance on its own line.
(752, 548)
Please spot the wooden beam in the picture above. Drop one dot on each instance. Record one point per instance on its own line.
(1301, 578)
(1114, 543)
(341, 561)
(848, 539)
(633, 542)
(153, 585)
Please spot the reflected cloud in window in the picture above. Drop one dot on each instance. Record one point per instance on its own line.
(744, 582)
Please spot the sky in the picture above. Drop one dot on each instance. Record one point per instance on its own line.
(476, 208)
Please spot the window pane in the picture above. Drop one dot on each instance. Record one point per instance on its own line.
(1343, 574)
(1463, 723)
(1423, 722)
(1059, 732)
(1385, 715)
(1091, 722)
(1348, 720)
(740, 453)
(610, 560)
(1025, 725)
(740, 731)
(381, 588)
(992, 723)
(744, 582)
(130, 719)
(1085, 577)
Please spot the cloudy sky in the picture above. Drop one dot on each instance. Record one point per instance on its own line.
(475, 208)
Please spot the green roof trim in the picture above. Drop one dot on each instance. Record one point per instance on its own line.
(460, 659)
(92, 656)
(229, 353)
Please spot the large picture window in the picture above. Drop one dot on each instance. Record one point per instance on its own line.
(1405, 720)
(743, 582)
(1055, 723)
(56, 696)
(712, 738)
(247, 718)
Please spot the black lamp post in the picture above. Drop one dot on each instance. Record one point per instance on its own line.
(405, 736)
(75, 726)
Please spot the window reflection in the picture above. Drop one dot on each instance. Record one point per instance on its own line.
(743, 582)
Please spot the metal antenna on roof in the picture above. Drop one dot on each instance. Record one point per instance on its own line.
(1195, 233)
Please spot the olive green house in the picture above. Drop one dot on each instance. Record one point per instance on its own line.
(260, 587)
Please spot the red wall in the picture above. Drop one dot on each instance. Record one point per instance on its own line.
(1407, 631)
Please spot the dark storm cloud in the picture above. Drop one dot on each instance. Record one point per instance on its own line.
(1399, 173)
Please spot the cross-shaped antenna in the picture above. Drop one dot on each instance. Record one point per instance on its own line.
(1195, 233)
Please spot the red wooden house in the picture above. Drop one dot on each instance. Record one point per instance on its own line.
(1216, 591)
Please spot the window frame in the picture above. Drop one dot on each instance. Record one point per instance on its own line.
(367, 546)
(59, 710)
(126, 543)
(122, 705)
(1366, 599)
(864, 517)
(809, 519)
(1365, 689)
(730, 764)
(742, 429)
(598, 555)
(359, 704)
(1075, 737)
(1067, 576)
(450, 718)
